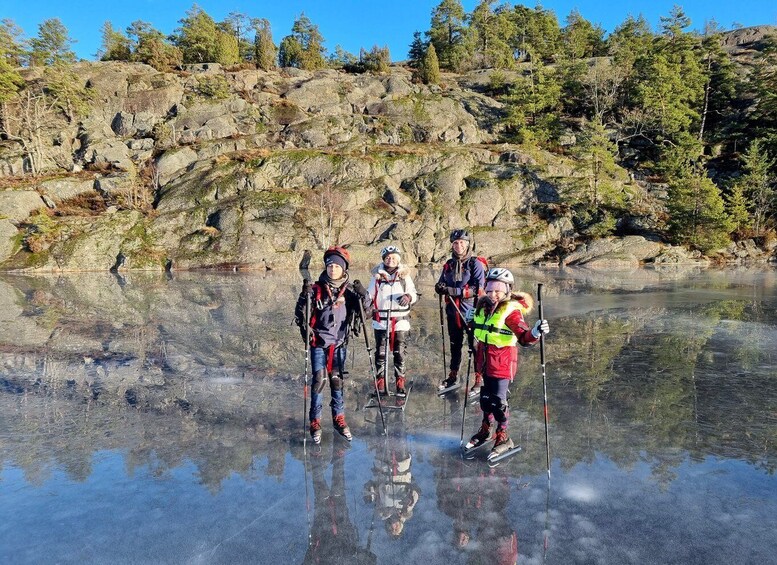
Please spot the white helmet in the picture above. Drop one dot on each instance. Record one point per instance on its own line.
(389, 250)
(501, 275)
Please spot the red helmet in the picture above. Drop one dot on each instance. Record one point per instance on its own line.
(341, 252)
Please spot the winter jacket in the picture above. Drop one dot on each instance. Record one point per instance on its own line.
(387, 289)
(502, 362)
(333, 312)
(472, 275)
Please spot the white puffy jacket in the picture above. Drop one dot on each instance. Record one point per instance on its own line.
(387, 289)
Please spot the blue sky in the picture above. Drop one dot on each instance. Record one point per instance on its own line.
(350, 23)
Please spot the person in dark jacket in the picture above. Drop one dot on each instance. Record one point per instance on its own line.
(334, 311)
(499, 327)
(462, 280)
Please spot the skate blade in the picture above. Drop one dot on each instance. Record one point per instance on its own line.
(493, 461)
(445, 391)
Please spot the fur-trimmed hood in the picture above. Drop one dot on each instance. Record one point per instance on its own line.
(379, 272)
(524, 300)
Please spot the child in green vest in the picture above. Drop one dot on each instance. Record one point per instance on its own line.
(499, 327)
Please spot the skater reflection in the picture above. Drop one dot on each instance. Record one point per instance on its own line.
(476, 499)
(392, 488)
(334, 538)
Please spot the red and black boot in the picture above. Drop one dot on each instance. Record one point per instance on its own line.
(341, 427)
(315, 430)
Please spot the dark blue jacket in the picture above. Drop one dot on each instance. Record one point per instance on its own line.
(472, 283)
(333, 312)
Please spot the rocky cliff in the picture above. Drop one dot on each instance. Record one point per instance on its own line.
(245, 169)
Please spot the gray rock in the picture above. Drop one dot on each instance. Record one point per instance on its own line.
(17, 205)
(8, 232)
(64, 188)
(172, 162)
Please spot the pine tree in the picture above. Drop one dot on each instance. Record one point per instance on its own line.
(238, 24)
(596, 155)
(10, 59)
(537, 34)
(197, 37)
(489, 32)
(696, 209)
(447, 34)
(580, 38)
(115, 45)
(377, 60)
(150, 47)
(226, 48)
(429, 72)
(758, 183)
(304, 48)
(265, 52)
(720, 85)
(52, 45)
(671, 86)
(417, 51)
(737, 209)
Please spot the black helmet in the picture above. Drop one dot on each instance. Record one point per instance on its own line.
(460, 234)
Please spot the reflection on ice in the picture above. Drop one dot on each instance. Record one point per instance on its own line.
(160, 420)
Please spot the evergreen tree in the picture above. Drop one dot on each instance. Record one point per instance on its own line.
(697, 215)
(763, 118)
(226, 49)
(448, 33)
(304, 48)
(671, 89)
(342, 59)
(12, 44)
(429, 72)
(377, 60)
(533, 104)
(67, 90)
(197, 37)
(537, 34)
(115, 45)
(580, 38)
(719, 88)
(596, 155)
(737, 209)
(150, 47)
(52, 45)
(238, 24)
(758, 184)
(490, 31)
(417, 51)
(290, 52)
(265, 52)
(10, 59)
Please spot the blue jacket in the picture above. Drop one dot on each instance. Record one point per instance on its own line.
(333, 312)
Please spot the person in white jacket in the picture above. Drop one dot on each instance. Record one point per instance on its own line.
(393, 293)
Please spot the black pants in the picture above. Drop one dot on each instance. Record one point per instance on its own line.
(493, 401)
(456, 333)
(399, 350)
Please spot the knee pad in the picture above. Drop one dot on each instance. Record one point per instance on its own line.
(337, 382)
(319, 379)
(492, 403)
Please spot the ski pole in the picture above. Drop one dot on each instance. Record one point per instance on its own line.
(470, 345)
(307, 363)
(388, 344)
(442, 337)
(544, 380)
(372, 365)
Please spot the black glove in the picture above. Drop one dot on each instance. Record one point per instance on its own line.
(359, 288)
(441, 289)
(404, 300)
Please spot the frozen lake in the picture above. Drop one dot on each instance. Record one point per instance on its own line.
(154, 419)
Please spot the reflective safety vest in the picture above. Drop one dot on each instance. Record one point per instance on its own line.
(494, 330)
